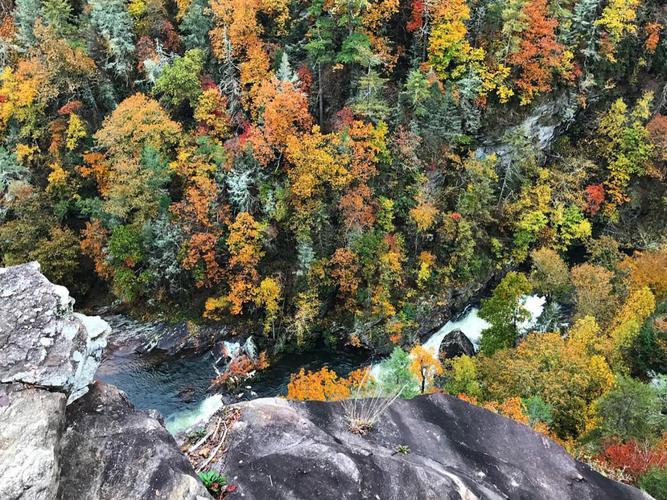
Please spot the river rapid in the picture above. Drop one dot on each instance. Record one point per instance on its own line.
(178, 386)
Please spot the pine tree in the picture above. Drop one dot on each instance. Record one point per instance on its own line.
(113, 23)
(25, 14)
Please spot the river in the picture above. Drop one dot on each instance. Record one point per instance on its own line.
(178, 386)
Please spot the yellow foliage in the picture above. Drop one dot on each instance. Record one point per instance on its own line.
(618, 20)
(268, 296)
(424, 365)
(25, 152)
(76, 130)
(57, 178)
(24, 92)
(138, 121)
(424, 215)
(639, 305)
(426, 261)
(210, 111)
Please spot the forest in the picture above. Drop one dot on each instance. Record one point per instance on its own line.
(342, 170)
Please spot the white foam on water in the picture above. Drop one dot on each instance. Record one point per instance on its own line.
(179, 422)
(472, 325)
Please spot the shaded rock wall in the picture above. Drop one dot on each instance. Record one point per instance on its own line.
(112, 451)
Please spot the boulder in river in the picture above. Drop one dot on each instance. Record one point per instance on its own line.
(429, 447)
(455, 344)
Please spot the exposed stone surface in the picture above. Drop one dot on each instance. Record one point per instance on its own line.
(112, 451)
(31, 424)
(97, 448)
(160, 337)
(43, 341)
(296, 450)
(456, 344)
(539, 127)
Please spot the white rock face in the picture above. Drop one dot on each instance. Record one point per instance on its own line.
(31, 425)
(43, 342)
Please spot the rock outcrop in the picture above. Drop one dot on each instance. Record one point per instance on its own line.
(43, 341)
(31, 426)
(455, 344)
(430, 447)
(98, 447)
(112, 451)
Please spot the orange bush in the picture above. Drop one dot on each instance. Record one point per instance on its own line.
(325, 385)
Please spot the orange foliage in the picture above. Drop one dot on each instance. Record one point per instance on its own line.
(98, 168)
(424, 366)
(202, 248)
(648, 268)
(356, 206)
(262, 362)
(345, 266)
(138, 121)
(653, 37)
(245, 248)
(285, 112)
(539, 53)
(239, 369)
(323, 385)
(94, 238)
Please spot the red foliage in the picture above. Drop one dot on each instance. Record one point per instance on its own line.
(344, 118)
(70, 107)
(540, 53)
(416, 21)
(306, 78)
(145, 50)
(170, 37)
(455, 216)
(657, 129)
(634, 458)
(207, 83)
(594, 198)
(238, 370)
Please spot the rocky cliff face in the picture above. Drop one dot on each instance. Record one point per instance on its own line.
(97, 447)
(44, 343)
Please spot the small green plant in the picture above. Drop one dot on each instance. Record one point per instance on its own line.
(402, 449)
(654, 482)
(213, 480)
(196, 435)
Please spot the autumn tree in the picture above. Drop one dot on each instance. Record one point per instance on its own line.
(539, 54)
(179, 81)
(424, 366)
(593, 292)
(563, 374)
(244, 244)
(618, 19)
(550, 274)
(623, 143)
